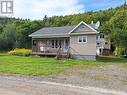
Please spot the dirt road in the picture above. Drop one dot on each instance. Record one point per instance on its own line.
(25, 86)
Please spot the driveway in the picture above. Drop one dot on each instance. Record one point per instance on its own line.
(10, 85)
(109, 76)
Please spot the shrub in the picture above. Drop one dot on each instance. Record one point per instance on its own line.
(20, 52)
(119, 51)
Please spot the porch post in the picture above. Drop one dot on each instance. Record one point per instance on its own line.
(32, 44)
(64, 46)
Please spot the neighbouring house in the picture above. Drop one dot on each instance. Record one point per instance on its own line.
(103, 45)
(79, 41)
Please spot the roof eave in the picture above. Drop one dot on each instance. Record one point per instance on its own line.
(48, 36)
(87, 33)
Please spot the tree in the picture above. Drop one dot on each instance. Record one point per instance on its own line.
(8, 37)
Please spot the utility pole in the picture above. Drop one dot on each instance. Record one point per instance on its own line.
(125, 4)
(125, 7)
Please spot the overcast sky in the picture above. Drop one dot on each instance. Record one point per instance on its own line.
(36, 9)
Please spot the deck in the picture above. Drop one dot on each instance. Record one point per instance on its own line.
(44, 53)
(49, 54)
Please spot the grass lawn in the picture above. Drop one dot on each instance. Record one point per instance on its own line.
(37, 66)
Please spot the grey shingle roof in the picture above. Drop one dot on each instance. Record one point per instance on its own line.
(54, 31)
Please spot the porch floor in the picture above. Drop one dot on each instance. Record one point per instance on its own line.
(42, 53)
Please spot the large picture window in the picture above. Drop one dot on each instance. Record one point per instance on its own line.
(82, 39)
(56, 44)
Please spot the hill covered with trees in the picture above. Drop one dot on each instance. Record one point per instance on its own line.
(14, 32)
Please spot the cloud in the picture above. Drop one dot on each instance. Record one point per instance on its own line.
(36, 9)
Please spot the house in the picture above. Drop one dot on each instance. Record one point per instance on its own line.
(103, 45)
(79, 41)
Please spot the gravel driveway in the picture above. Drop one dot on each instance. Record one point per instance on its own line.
(25, 86)
(112, 76)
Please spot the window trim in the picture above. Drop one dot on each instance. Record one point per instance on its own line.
(82, 39)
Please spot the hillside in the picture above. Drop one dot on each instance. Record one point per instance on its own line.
(74, 19)
(87, 17)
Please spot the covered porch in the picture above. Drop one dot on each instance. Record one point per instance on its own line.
(50, 46)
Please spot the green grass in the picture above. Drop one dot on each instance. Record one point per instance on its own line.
(37, 66)
(111, 59)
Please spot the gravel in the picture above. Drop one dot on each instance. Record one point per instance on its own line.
(109, 76)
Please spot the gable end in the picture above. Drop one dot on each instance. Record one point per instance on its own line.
(82, 27)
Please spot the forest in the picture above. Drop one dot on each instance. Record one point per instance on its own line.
(14, 31)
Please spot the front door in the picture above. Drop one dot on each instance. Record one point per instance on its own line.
(41, 45)
(66, 45)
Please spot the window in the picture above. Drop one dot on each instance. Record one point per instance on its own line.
(56, 43)
(100, 50)
(106, 43)
(60, 44)
(82, 39)
(34, 43)
(49, 43)
(98, 44)
(52, 43)
(101, 36)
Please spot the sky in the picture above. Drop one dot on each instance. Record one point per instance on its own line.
(36, 9)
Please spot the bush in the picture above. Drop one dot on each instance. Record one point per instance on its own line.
(20, 52)
(119, 51)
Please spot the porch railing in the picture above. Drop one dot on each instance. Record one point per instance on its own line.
(62, 55)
